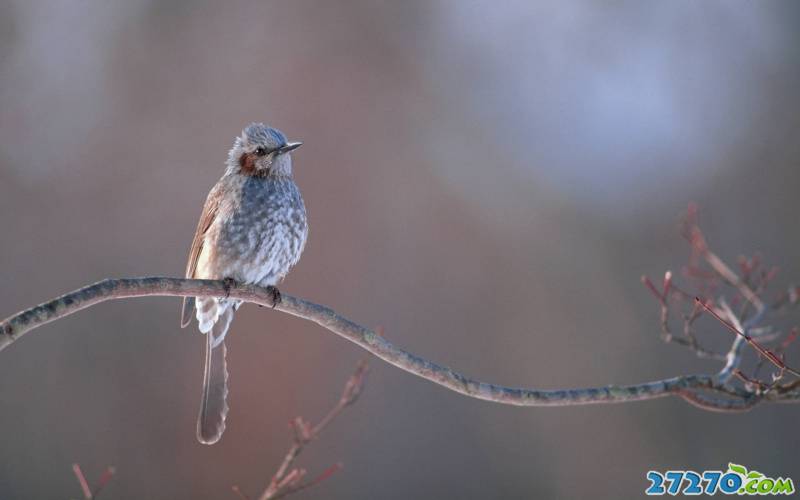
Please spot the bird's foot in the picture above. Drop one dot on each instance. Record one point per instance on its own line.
(228, 283)
(275, 295)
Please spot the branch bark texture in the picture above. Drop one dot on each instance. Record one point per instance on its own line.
(707, 391)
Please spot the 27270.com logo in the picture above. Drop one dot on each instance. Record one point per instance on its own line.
(737, 480)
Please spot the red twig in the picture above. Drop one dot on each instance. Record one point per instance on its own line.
(710, 273)
(689, 340)
(288, 480)
(93, 493)
(700, 248)
(87, 491)
(751, 381)
(769, 355)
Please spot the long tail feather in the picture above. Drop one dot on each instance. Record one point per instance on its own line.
(214, 407)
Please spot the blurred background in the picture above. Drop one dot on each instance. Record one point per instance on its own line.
(485, 181)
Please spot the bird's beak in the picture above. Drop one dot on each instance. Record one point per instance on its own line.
(290, 146)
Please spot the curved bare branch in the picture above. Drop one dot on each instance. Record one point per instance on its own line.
(693, 388)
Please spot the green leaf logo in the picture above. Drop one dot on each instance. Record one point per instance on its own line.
(739, 469)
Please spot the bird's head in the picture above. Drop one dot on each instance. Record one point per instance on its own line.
(262, 151)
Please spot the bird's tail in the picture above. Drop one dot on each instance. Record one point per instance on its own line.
(214, 320)
(187, 311)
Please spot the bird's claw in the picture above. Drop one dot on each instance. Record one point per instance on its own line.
(228, 283)
(275, 295)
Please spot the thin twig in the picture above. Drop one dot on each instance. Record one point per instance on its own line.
(737, 329)
(696, 238)
(734, 357)
(749, 287)
(88, 492)
(689, 339)
(285, 481)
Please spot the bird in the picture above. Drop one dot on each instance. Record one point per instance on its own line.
(252, 230)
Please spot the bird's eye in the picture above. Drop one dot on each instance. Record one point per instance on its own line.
(261, 151)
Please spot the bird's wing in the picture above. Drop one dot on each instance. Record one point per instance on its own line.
(207, 218)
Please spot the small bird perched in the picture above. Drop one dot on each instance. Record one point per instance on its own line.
(252, 230)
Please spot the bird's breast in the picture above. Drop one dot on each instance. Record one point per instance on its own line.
(258, 239)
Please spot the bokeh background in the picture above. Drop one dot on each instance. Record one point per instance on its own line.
(487, 181)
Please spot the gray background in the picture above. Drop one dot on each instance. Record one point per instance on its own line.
(486, 181)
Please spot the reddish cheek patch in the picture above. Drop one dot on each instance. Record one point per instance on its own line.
(248, 163)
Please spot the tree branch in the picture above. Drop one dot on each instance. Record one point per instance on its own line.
(735, 398)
